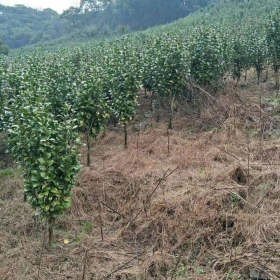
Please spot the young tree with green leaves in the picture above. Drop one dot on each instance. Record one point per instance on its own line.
(46, 150)
(90, 104)
(239, 54)
(257, 49)
(273, 43)
(122, 73)
(170, 64)
(206, 56)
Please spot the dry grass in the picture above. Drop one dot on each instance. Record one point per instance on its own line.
(198, 202)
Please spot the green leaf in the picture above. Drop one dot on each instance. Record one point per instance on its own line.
(43, 194)
(41, 160)
(43, 167)
(44, 175)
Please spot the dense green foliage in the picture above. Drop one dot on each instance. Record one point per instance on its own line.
(273, 38)
(46, 152)
(42, 140)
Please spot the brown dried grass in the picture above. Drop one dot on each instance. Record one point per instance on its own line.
(215, 217)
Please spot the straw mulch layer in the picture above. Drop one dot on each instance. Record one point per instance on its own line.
(201, 201)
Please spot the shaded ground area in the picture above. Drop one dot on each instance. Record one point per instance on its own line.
(200, 201)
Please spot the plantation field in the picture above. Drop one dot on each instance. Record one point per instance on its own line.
(200, 201)
(153, 155)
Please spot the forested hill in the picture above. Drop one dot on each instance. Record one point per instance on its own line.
(22, 26)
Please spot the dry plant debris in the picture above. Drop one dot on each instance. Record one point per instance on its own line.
(199, 202)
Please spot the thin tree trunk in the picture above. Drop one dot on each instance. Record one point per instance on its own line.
(266, 74)
(168, 142)
(236, 85)
(51, 234)
(125, 136)
(245, 75)
(172, 98)
(277, 79)
(158, 107)
(88, 149)
(152, 99)
(170, 122)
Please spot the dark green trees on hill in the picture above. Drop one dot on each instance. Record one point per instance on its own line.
(138, 14)
(21, 26)
(4, 49)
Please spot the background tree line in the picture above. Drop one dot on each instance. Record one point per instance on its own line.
(136, 14)
(21, 26)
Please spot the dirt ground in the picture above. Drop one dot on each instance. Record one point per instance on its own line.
(200, 201)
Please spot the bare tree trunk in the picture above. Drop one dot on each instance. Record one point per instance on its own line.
(158, 107)
(170, 122)
(88, 149)
(168, 143)
(277, 79)
(172, 99)
(152, 99)
(266, 73)
(258, 74)
(51, 233)
(125, 136)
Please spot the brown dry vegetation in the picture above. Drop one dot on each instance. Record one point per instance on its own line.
(199, 202)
